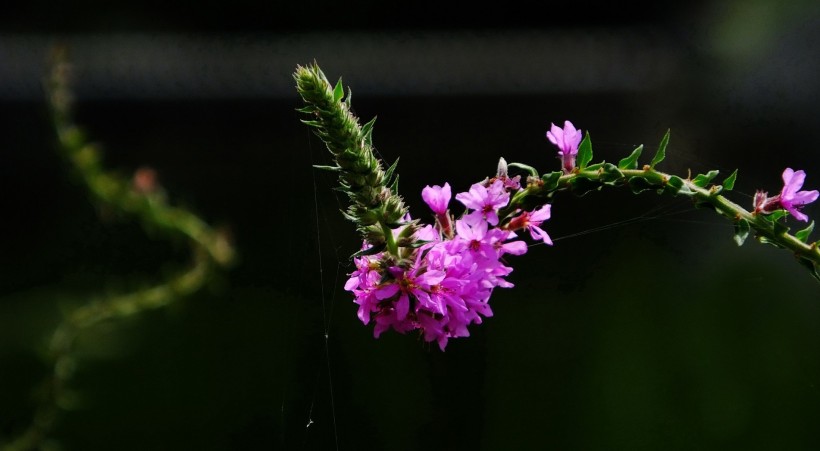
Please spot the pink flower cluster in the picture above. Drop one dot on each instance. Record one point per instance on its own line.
(446, 285)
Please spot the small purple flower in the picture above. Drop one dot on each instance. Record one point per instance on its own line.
(485, 200)
(532, 221)
(567, 140)
(437, 197)
(790, 198)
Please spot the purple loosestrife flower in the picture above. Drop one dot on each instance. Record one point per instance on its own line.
(532, 221)
(485, 201)
(448, 285)
(790, 198)
(438, 198)
(365, 283)
(567, 140)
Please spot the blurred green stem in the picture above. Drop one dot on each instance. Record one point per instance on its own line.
(211, 249)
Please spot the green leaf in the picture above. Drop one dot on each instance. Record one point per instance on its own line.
(639, 184)
(703, 179)
(525, 167)
(631, 162)
(394, 187)
(369, 251)
(729, 183)
(780, 228)
(551, 180)
(661, 153)
(388, 174)
(338, 91)
(311, 123)
(611, 173)
(584, 152)
(583, 185)
(595, 167)
(776, 215)
(674, 185)
(765, 240)
(741, 231)
(367, 131)
(803, 235)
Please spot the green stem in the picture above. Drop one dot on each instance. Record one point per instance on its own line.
(709, 196)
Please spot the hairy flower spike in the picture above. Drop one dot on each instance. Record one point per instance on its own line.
(361, 175)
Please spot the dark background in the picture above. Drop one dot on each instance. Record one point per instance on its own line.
(649, 330)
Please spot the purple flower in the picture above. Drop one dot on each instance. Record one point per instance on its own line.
(790, 198)
(567, 140)
(532, 221)
(437, 197)
(485, 200)
(447, 286)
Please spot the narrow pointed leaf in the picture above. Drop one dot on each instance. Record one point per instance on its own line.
(675, 185)
(338, 91)
(394, 187)
(388, 174)
(729, 183)
(741, 231)
(703, 179)
(369, 251)
(631, 162)
(367, 131)
(661, 153)
(551, 180)
(611, 173)
(803, 235)
(583, 185)
(639, 184)
(776, 215)
(584, 152)
(765, 240)
(311, 122)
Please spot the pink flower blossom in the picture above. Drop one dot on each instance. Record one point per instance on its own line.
(567, 140)
(790, 198)
(437, 197)
(532, 221)
(485, 200)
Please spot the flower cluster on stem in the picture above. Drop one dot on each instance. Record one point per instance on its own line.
(447, 284)
(437, 279)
